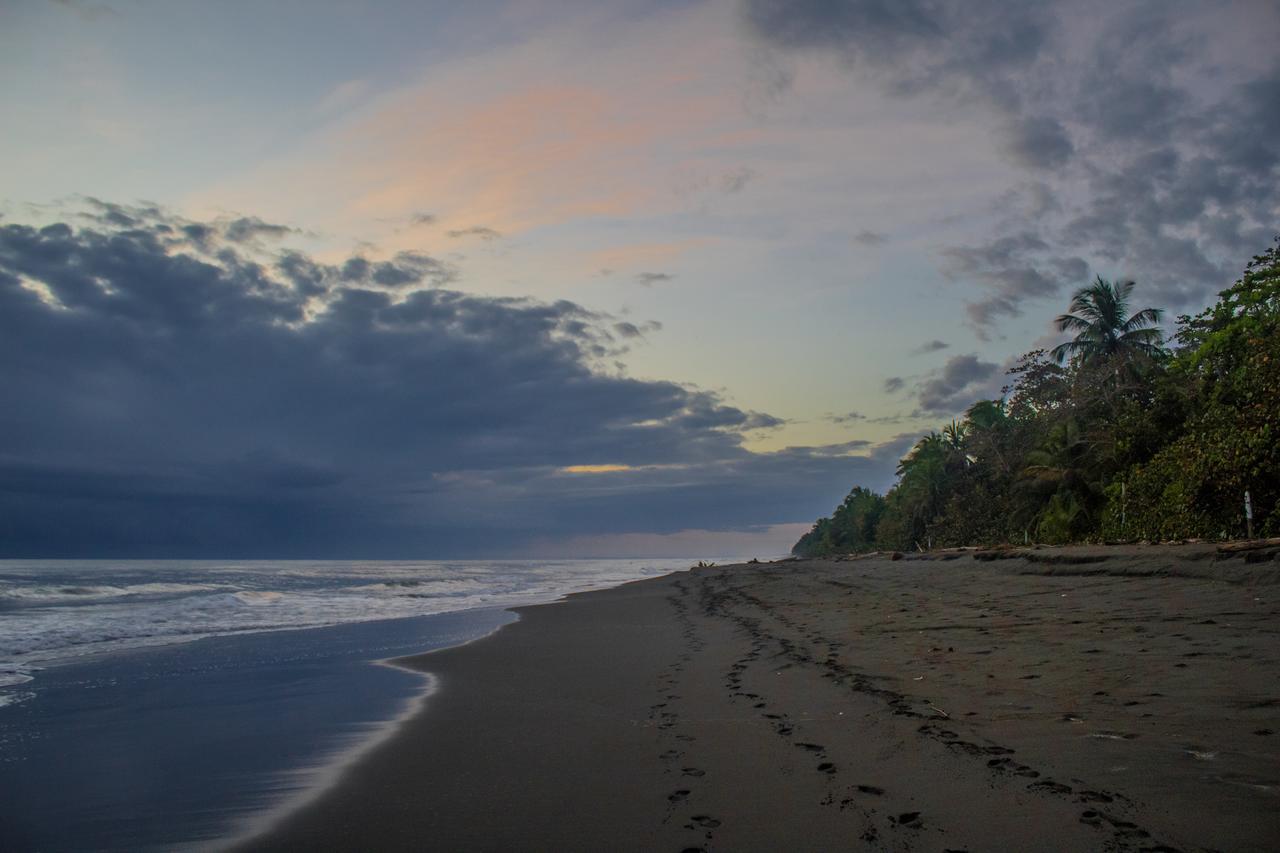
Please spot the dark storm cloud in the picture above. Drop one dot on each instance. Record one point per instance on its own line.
(914, 45)
(162, 399)
(1154, 158)
(409, 268)
(1039, 142)
(406, 269)
(961, 381)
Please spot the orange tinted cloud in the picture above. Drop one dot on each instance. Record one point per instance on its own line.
(634, 255)
(594, 469)
(558, 129)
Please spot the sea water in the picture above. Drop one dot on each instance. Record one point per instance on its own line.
(161, 704)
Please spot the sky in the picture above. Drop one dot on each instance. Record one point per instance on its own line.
(405, 279)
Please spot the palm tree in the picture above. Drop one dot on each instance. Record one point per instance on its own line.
(1059, 467)
(955, 447)
(922, 475)
(986, 423)
(1103, 331)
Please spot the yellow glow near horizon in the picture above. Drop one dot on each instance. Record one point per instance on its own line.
(593, 469)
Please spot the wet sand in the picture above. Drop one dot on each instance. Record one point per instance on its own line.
(1053, 699)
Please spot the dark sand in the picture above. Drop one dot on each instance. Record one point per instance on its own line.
(1105, 699)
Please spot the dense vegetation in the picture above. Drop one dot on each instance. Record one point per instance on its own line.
(1118, 435)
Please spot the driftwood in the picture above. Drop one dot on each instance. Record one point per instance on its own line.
(1248, 545)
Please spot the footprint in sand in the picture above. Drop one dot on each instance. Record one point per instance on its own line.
(871, 789)
(827, 767)
(677, 796)
(693, 771)
(705, 821)
(1050, 786)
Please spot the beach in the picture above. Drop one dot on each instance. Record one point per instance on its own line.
(165, 705)
(1038, 699)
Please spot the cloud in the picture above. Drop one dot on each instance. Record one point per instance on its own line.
(165, 400)
(847, 418)
(1150, 129)
(405, 269)
(961, 381)
(736, 181)
(930, 346)
(1014, 268)
(1039, 142)
(651, 278)
(912, 45)
(480, 231)
(89, 11)
(870, 238)
(422, 218)
(631, 331)
(118, 215)
(773, 540)
(844, 448)
(894, 384)
(247, 228)
(628, 330)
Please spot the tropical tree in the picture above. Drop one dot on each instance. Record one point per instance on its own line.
(1108, 437)
(1104, 331)
(986, 423)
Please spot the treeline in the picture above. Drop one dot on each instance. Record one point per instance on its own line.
(1117, 435)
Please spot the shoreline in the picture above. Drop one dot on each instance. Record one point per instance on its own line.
(605, 717)
(320, 777)
(242, 728)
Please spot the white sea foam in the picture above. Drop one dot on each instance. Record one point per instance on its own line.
(12, 674)
(14, 697)
(51, 612)
(56, 594)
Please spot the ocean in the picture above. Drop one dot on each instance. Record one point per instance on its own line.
(148, 705)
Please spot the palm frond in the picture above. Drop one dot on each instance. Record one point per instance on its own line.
(1064, 351)
(1070, 323)
(1145, 317)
